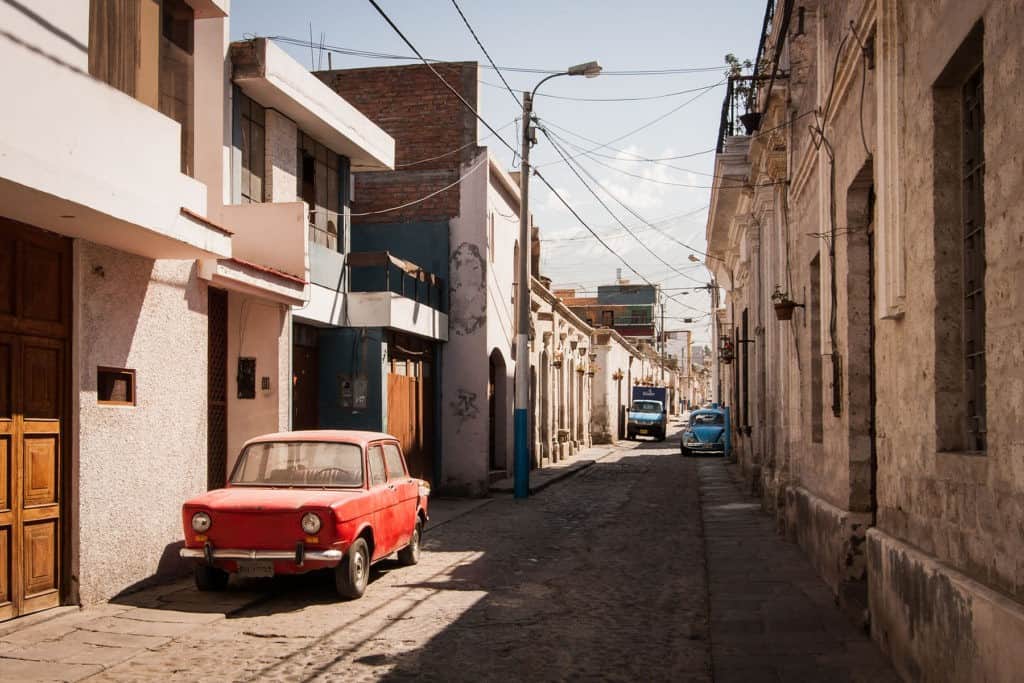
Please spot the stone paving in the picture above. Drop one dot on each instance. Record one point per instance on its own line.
(772, 618)
(600, 577)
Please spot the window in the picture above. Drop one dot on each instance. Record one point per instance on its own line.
(252, 144)
(144, 49)
(115, 386)
(959, 205)
(607, 318)
(393, 460)
(377, 471)
(323, 183)
(300, 463)
(817, 402)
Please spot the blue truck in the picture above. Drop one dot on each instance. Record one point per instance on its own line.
(648, 413)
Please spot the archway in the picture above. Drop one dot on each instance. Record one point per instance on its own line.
(497, 411)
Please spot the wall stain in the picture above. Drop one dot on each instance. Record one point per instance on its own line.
(464, 406)
(468, 292)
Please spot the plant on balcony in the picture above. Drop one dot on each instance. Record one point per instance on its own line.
(726, 352)
(784, 305)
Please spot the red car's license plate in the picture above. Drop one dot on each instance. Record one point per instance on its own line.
(259, 569)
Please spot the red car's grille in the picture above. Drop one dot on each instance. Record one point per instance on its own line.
(259, 530)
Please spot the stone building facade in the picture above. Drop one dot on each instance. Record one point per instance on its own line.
(880, 420)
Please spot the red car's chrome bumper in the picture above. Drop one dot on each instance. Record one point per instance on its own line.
(236, 554)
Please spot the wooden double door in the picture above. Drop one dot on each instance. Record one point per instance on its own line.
(34, 324)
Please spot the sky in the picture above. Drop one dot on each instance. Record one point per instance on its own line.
(641, 35)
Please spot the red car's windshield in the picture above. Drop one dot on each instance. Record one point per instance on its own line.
(300, 463)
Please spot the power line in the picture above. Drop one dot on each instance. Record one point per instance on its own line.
(486, 53)
(611, 99)
(613, 215)
(453, 151)
(644, 126)
(573, 167)
(370, 54)
(424, 198)
(439, 76)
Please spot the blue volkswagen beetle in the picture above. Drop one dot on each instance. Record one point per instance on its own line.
(705, 433)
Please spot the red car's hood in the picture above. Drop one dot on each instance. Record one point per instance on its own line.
(271, 499)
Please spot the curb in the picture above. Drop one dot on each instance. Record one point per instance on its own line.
(562, 474)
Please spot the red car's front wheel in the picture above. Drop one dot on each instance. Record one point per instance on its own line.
(353, 572)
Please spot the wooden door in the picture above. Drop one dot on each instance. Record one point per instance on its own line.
(34, 314)
(305, 377)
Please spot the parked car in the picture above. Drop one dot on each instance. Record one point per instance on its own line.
(704, 433)
(647, 415)
(301, 501)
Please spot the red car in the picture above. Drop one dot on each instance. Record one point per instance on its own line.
(301, 501)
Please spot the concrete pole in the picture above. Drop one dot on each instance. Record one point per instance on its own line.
(521, 453)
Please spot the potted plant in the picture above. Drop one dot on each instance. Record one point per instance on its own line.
(617, 375)
(556, 360)
(726, 353)
(783, 304)
(743, 91)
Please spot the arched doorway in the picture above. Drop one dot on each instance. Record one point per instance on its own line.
(531, 417)
(497, 410)
(545, 408)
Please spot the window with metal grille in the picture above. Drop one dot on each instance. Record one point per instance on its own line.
(959, 248)
(973, 185)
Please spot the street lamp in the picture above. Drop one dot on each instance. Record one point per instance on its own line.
(521, 452)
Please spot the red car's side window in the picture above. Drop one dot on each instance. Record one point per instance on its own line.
(377, 472)
(393, 460)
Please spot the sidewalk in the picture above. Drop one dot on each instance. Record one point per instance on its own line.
(541, 478)
(71, 643)
(772, 618)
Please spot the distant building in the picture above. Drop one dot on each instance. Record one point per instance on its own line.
(631, 310)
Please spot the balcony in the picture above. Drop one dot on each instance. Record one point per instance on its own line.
(269, 76)
(382, 291)
(271, 252)
(83, 159)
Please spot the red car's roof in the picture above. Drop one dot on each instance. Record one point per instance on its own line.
(354, 436)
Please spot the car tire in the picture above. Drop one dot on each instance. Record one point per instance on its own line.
(410, 554)
(353, 572)
(210, 578)
(684, 451)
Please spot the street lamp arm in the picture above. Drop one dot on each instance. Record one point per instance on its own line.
(545, 80)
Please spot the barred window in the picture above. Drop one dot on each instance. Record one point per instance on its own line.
(973, 102)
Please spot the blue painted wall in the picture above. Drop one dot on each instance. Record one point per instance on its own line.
(425, 243)
(352, 352)
(635, 295)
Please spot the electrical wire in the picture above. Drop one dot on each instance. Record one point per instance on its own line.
(644, 98)
(430, 66)
(370, 54)
(620, 202)
(636, 130)
(424, 198)
(486, 53)
(454, 151)
(582, 222)
(600, 201)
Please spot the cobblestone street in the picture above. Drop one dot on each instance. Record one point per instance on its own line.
(599, 577)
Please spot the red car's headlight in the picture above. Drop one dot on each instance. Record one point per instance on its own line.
(311, 523)
(201, 522)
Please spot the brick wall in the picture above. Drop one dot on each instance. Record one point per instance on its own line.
(426, 120)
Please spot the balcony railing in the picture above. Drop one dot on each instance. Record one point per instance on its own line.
(379, 271)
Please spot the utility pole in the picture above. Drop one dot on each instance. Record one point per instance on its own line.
(521, 454)
(521, 441)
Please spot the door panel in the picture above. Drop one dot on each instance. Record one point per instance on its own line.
(35, 294)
